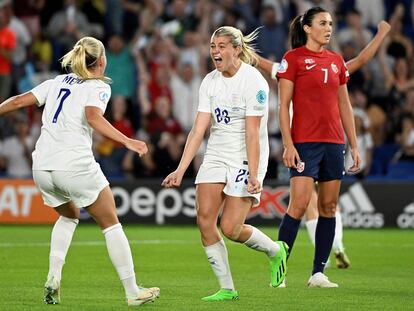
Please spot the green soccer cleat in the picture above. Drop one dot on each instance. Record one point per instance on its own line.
(222, 295)
(278, 267)
(342, 260)
(52, 291)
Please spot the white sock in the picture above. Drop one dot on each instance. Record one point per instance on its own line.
(121, 257)
(262, 243)
(338, 245)
(311, 227)
(61, 238)
(219, 261)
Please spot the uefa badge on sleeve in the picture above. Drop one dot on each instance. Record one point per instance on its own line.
(300, 167)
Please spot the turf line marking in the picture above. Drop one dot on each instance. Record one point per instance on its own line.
(96, 243)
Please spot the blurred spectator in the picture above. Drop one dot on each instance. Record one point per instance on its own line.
(218, 12)
(281, 8)
(365, 144)
(121, 68)
(42, 52)
(159, 85)
(36, 123)
(378, 119)
(354, 31)
(23, 41)
(304, 5)
(166, 136)
(16, 150)
(111, 153)
(95, 11)
(398, 82)
(406, 138)
(184, 86)
(159, 55)
(7, 46)
(360, 77)
(28, 11)
(131, 14)
(399, 44)
(372, 11)
(190, 53)
(113, 17)
(179, 19)
(272, 37)
(66, 27)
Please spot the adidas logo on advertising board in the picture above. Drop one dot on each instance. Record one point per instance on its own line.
(406, 219)
(357, 209)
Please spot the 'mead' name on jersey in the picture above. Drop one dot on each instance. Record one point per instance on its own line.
(71, 80)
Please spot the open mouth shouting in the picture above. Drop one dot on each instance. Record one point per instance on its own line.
(217, 60)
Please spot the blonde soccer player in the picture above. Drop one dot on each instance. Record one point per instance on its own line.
(234, 100)
(64, 168)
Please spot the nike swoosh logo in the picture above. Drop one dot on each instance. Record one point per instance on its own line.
(310, 67)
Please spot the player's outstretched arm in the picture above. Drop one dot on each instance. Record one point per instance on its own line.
(194, 140)
(17, 102)
(95, 118)
(267, 66)
(369, 51)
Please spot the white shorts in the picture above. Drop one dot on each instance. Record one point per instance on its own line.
(80, 187)
(235, 179)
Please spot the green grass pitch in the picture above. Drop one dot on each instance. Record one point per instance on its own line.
(381, 276)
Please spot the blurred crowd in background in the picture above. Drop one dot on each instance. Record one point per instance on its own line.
(158, 54)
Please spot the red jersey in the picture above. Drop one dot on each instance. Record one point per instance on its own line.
(7, 42)
(317, 77)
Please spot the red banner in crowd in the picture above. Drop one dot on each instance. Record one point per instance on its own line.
(21, 203)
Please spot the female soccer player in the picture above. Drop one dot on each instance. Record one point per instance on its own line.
(234, 98)
(354, 64)
(314, 79)
(64, 168)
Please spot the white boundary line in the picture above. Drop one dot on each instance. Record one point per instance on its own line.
(95, 243)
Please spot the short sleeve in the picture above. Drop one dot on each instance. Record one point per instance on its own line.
(344, 73)
(288, 67)
(256, 96)
(203, 98)
(41, 91)
(98, 96)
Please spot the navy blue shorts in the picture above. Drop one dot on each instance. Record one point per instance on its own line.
(323, 161)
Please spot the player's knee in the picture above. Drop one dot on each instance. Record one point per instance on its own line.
(230, 230)
(327, 209)
(297, 208)
(204, 222)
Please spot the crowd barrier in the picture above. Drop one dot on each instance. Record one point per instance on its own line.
(366, 204)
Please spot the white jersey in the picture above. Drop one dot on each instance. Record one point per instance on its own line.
(230, 100)
(65, 141)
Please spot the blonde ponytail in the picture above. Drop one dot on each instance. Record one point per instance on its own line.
(84, 56)
(248, 49)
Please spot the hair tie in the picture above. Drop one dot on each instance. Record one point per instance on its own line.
(77, 47)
